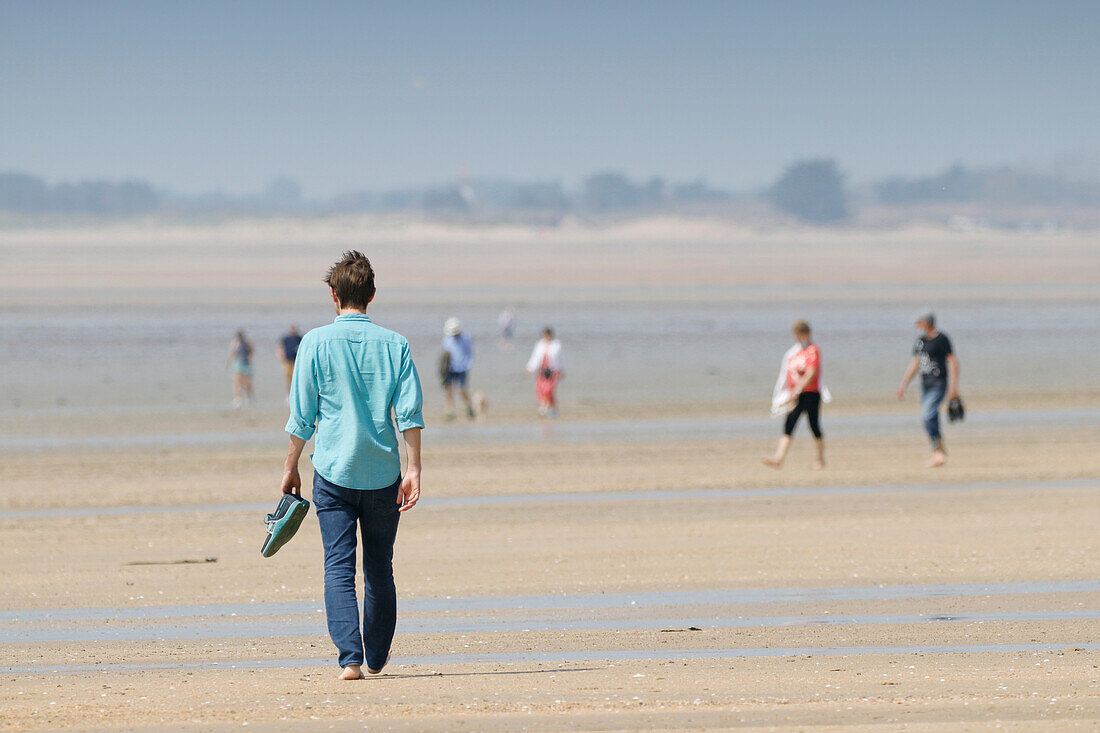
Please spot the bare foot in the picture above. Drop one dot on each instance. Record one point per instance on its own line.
(352, 672)
(773, 463)
(819, 465)
(938, 459)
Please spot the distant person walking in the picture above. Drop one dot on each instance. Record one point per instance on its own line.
(240, 363)
(288, 352)
(799, 390)
(459, 354)
(545, 363)
(506, 322)
(350, 377)
(934, 357)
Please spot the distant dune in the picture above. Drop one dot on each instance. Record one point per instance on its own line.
(659, 257)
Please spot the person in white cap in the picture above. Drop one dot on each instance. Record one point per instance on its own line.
(935, 358)
(459, 355)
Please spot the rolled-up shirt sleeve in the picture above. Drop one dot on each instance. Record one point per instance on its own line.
(408, 400)
(304, 395)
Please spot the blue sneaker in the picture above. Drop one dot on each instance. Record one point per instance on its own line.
(284, 522)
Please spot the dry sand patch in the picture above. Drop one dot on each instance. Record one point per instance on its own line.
(958, 692)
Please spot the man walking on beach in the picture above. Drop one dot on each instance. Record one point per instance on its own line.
(939, 370)
(459, 349)
(348, 377)
(288, 352)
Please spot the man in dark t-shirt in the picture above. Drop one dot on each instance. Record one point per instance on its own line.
(934, 357)
(288, 352)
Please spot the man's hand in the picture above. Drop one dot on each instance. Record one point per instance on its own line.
(910, 372)
(952, 377)
(292, 482)
(409, 492)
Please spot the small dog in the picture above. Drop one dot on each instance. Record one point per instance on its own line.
(481, 403)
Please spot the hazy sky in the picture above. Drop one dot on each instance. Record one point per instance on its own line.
(226, 95)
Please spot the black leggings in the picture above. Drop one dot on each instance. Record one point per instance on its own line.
(810, 403)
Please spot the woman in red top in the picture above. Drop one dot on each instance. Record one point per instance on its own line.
(803, 385)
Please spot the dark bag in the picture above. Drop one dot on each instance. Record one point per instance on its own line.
(444, 367)
(547, 373)
(955, 410)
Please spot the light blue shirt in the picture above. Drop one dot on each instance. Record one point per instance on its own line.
(461, 349)
(348, 378)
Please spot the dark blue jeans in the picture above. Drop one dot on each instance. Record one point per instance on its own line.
(339, 511)
(930, 399)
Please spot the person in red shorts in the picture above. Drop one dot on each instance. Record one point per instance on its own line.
(545, 363)
(801, 392)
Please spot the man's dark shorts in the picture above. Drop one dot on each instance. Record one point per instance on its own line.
(458, 379)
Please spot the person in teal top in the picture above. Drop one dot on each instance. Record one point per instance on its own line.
(349, 378)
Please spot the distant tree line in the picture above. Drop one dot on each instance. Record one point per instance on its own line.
(812, 190)
(600, 192)
(1002, 185)
(25, 193)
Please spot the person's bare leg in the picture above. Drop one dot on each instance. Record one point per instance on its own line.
(780, 452)
(238, 390)
(469, 403)
(450, 401)
(820, 462)
(352, 672)
(939, 456)
(248, 390)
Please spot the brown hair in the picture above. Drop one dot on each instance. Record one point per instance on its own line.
(800, 327)
(352, 279)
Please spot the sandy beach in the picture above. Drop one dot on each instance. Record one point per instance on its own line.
(1009, 526)
(632, 566)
